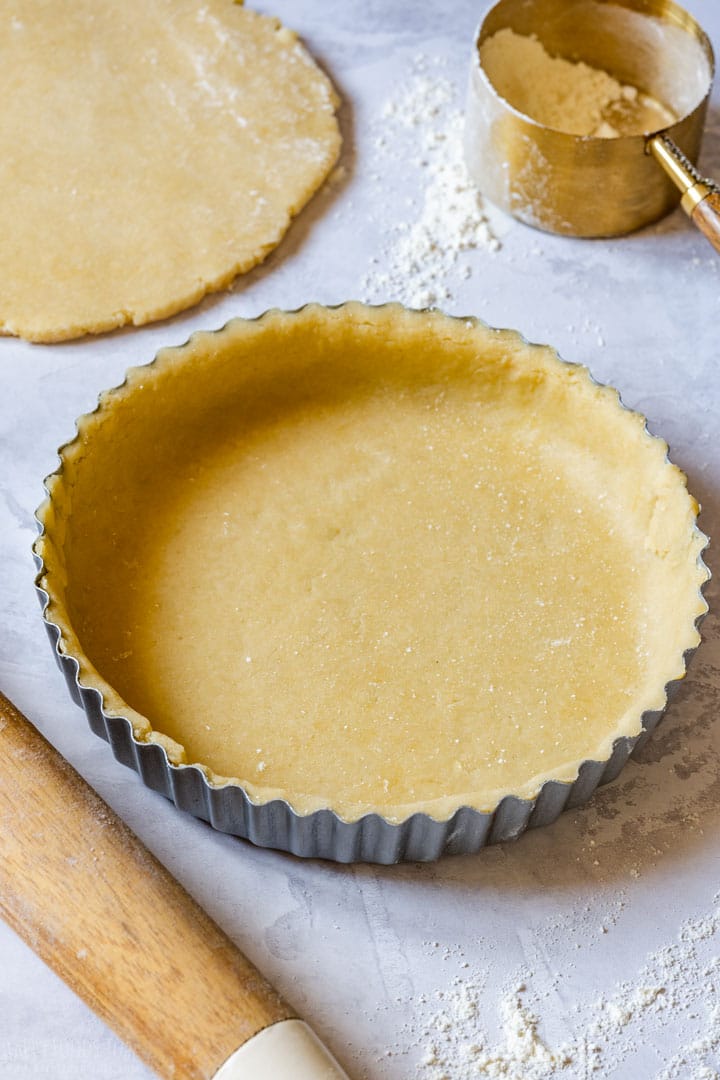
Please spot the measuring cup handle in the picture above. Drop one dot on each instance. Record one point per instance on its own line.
(700, 197)
(706, 216)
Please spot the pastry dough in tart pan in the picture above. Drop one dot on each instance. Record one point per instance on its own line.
(369, 582)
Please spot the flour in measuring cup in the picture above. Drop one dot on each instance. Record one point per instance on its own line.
(567, 95)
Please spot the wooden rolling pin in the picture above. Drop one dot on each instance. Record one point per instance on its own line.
(85, 894)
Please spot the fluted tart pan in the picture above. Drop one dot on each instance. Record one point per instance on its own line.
(369, 583)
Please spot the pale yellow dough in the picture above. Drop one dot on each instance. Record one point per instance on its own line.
(151, 151)
(373, 560)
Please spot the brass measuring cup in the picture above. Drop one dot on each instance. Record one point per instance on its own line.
(587, 185)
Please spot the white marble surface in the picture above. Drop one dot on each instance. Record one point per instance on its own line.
(621, 891)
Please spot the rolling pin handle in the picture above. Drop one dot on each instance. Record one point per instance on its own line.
(287, 1050)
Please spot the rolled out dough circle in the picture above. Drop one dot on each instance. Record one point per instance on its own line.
(152, 151)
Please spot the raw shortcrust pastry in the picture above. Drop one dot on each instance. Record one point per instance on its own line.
(152, 150)
(372, 559)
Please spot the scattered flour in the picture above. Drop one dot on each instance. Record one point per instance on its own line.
(424, 257)
(676, 981)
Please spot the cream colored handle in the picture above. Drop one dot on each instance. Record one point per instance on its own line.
(85, 894)
(700, 196)
(288, 1050)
